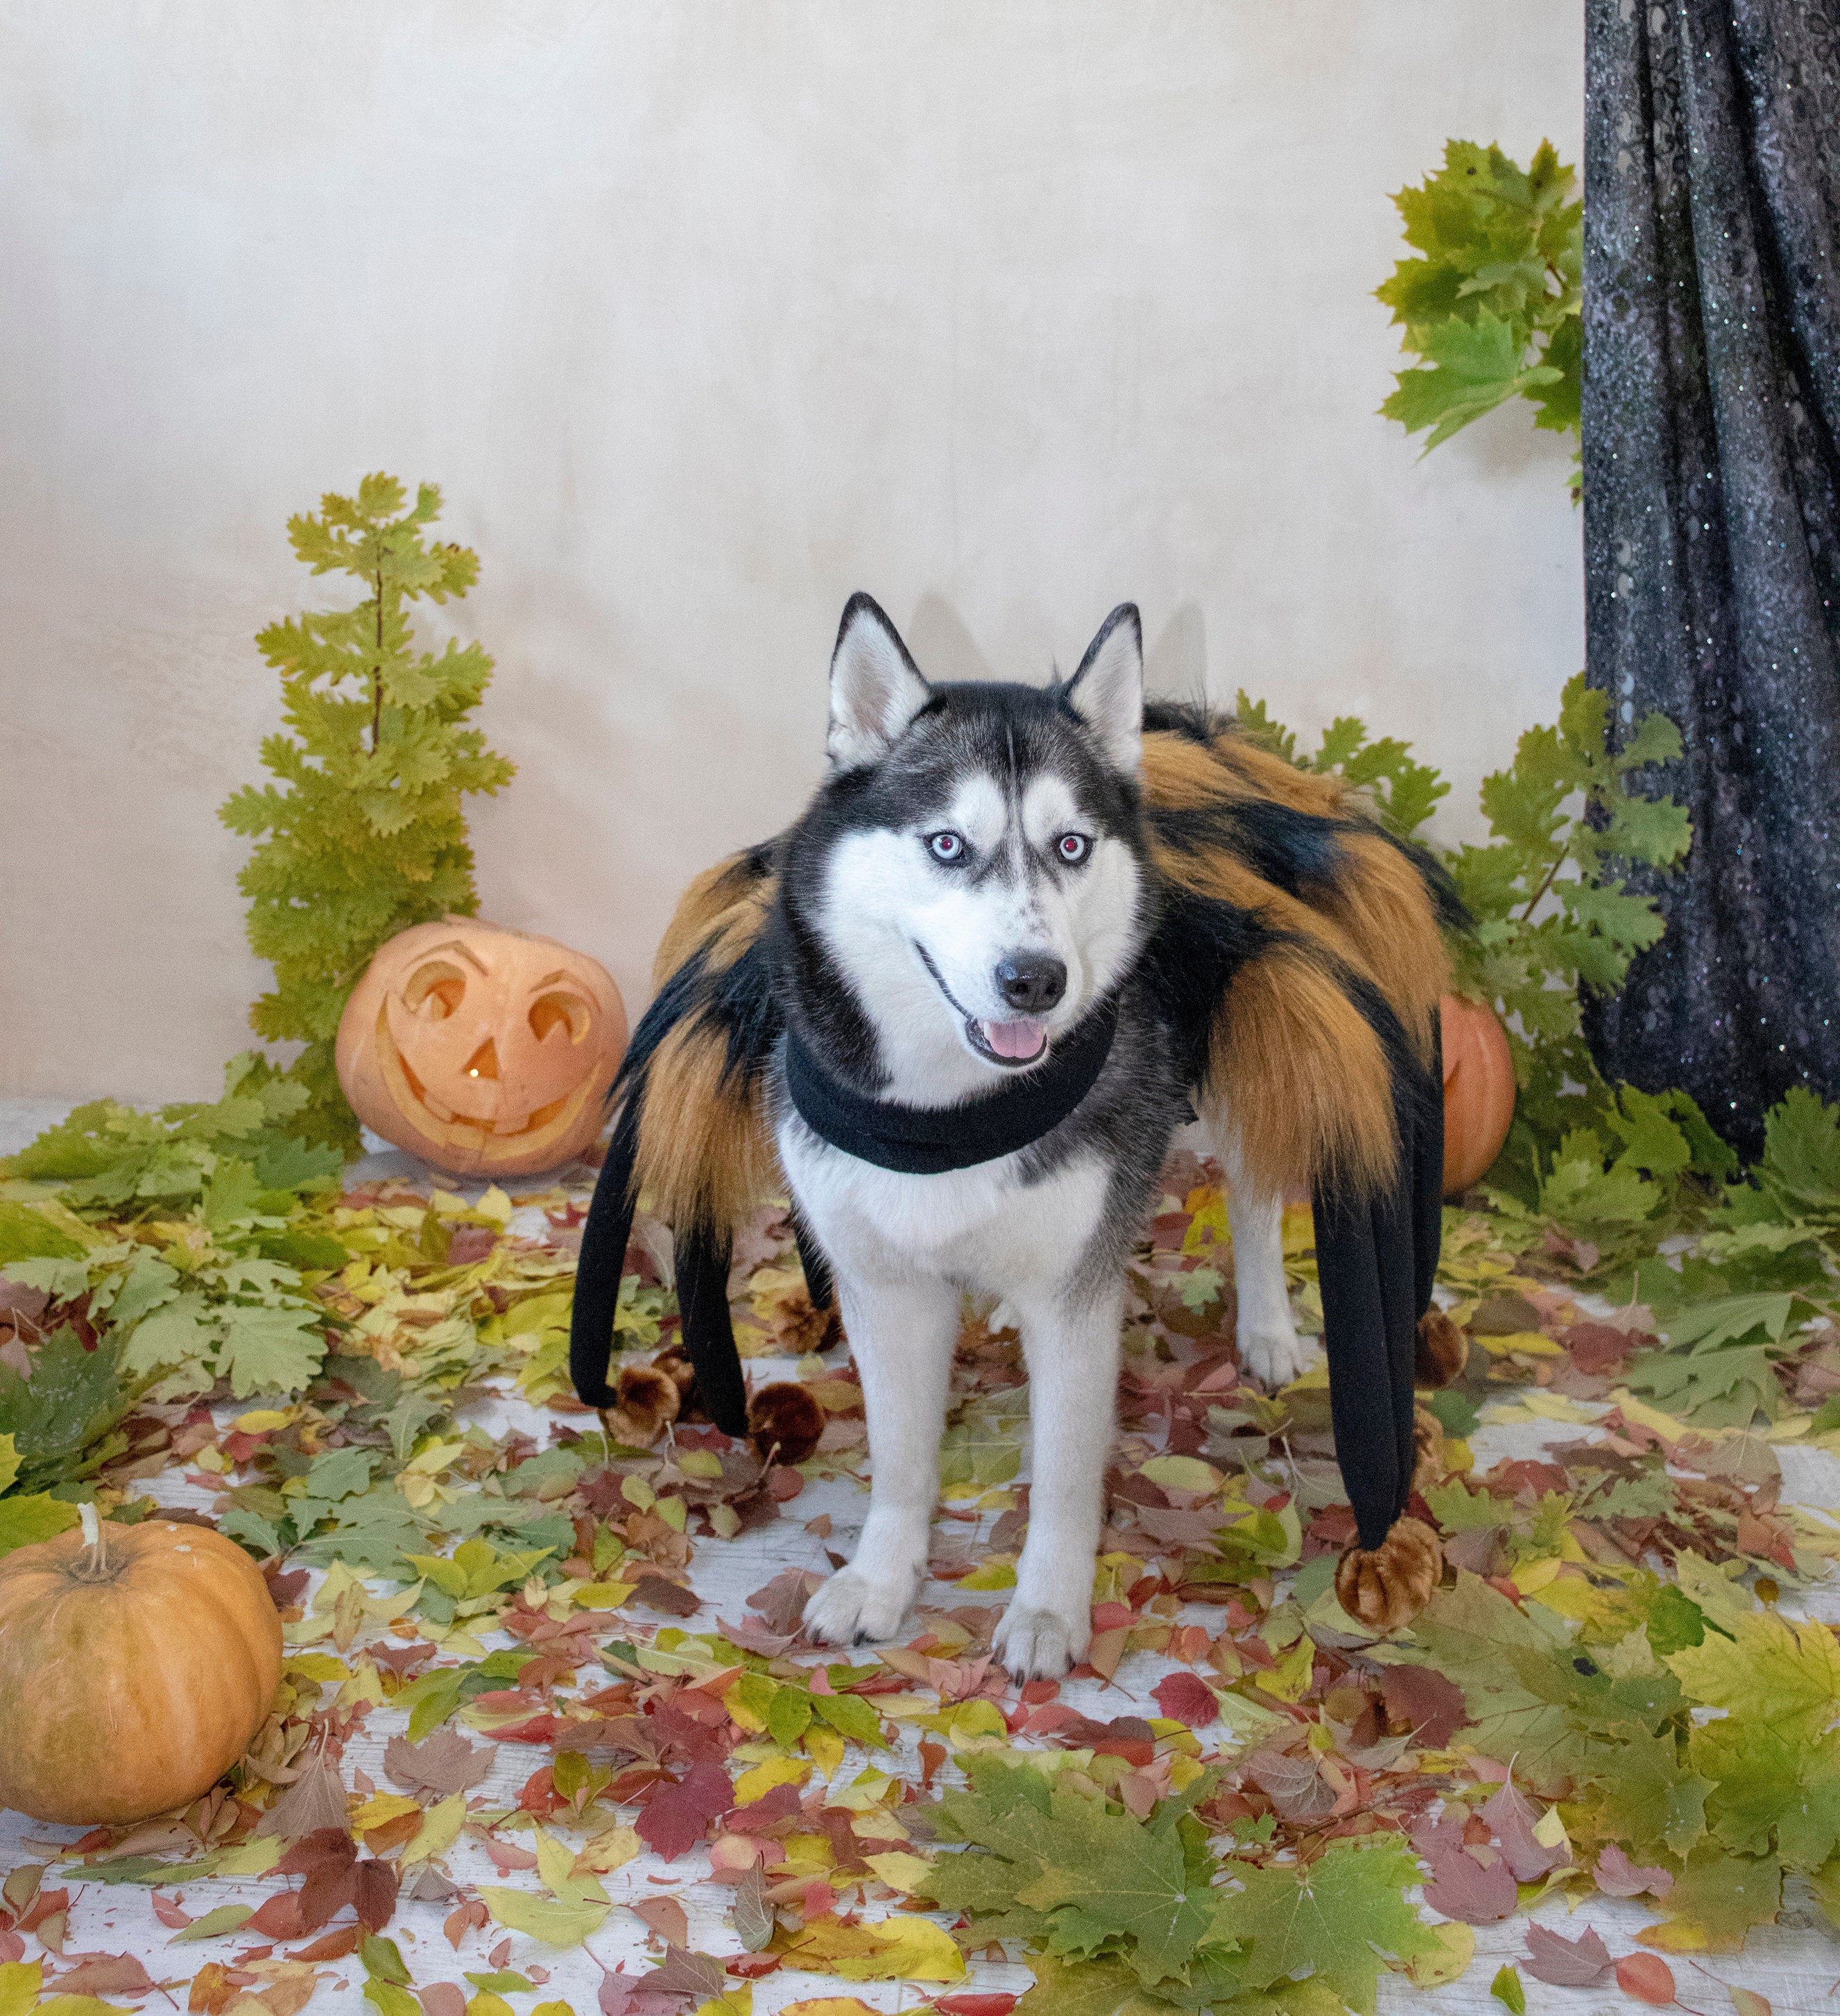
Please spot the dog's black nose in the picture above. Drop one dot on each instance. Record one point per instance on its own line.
(1032, 984)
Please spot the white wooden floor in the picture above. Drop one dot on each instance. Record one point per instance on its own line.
(1795, 1964)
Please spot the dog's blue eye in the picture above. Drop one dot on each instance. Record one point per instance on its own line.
(946, 846)
(1073, 847)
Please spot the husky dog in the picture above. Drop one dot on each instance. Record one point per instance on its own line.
(960, 1009)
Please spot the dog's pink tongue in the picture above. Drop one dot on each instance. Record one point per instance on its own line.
(1014, 1039)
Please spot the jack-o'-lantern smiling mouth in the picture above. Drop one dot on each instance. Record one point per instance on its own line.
(554, 1118)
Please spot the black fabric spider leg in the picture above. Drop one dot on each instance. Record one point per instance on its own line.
(702, 1261)
(1360, 1371)
(602, 1263)
(1391, 1213)
(818, 1283)
(1427, 1175)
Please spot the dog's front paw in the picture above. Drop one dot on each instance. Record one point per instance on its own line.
(852, 1607)
(1036, 1643)
(1273, 1354)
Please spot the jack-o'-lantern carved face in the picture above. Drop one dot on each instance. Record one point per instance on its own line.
(485, 1051)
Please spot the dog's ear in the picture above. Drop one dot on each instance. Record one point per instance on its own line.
(876, 688)
(1107, 692)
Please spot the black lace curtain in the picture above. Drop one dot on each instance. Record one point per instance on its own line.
(1712, 521)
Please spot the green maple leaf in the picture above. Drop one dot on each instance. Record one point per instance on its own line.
(270, 1350)
(1771, 1793)
(61, 1418)
(1475, 366)
(1333, 1921)
(1801, 1163)
(26, 1233)
(1649, 1799)
(1110, 1876)
(25, 1520)
(1469, 1634)
(1768, 1672)
(182, 1336)
(1717, 1898)
(375, 1532)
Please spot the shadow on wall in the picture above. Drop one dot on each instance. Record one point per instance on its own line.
(1176, 667)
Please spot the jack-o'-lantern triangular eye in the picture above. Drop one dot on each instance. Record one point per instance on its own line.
(568, 1010)
(435, 990)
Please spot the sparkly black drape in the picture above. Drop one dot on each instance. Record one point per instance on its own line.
(1712, 521)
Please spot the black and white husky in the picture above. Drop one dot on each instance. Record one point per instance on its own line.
(959, 1010)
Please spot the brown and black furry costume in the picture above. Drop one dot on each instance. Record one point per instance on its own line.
(1297, 958)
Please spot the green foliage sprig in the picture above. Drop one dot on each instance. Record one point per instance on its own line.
(1492, 305)
(1403, 791)
(1553, 912)
(366, 836)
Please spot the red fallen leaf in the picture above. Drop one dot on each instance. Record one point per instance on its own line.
(1295, 1786)
(699, 1974)
(11, 1946)
(373, 1892)
(1595, 1347)
(46, 1904)
(1580, 1963)
(104, 1974)
(1647, 1976)
(470, 1243)
(664, 1916)
(623, 1994)
(280, 1916)
(781, 1601)
(1185, 1697)
(169, 1912)
(1616, 1876)
(678, 1816)
(325, 1847)
(506, 1855)
(1462, 1887)
(335, 1946)
(1434, 1706)
(468, 1917)
(442, 1998)
(1525, 1476)
(655, 1591)
(994, 2003)
(754, 1966)
(1514, 1817)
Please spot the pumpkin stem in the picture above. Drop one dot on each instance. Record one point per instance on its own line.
(92, 1565)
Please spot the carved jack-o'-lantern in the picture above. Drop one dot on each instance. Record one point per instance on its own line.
(486, 1052)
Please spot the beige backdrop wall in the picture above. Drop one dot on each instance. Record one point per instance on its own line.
(704, 313)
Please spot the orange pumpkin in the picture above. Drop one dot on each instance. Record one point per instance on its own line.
(484, 1051)
(1479, 1091)
(136, 1664)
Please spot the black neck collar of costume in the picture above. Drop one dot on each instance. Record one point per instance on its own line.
(928, 1140)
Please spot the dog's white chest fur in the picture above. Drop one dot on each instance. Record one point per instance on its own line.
(981, 1229)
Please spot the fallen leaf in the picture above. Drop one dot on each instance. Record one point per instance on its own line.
(1616, 1876)
(664, 1916)
(555, 1924)
(1580, 1963)
(1646, 1976)
(1433, 1705)
(442, 1763)
(678, 1815)
(1186, 1697)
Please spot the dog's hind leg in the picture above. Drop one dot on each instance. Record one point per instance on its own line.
(1071, 1343)
(902, 1338)
(1270, 1348)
